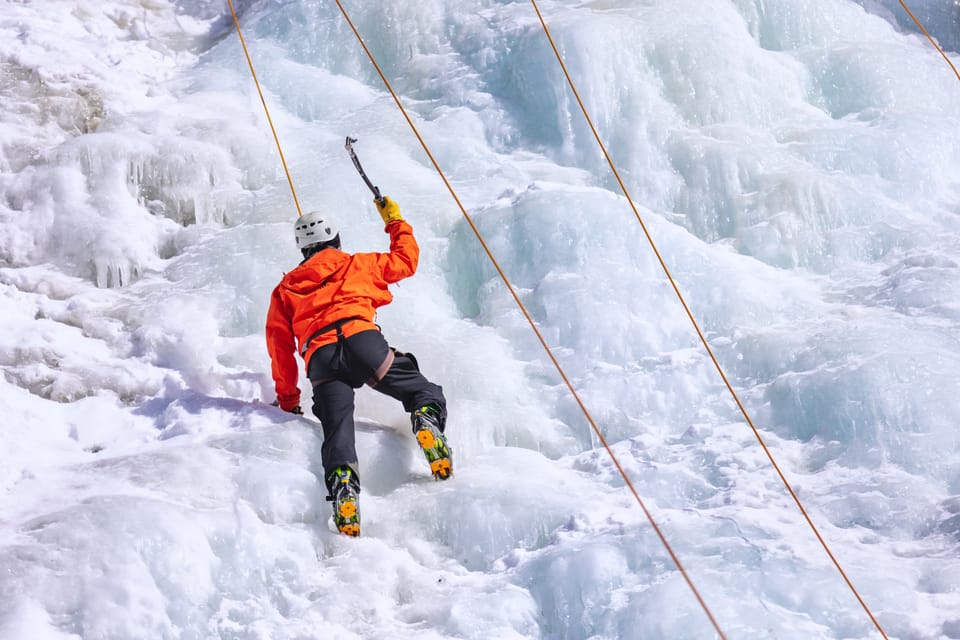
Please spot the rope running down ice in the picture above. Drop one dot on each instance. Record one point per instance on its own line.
(696, 327)
(930, 38)
(533, 325)
(276, 139)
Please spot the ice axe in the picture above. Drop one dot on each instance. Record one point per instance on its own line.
(356, 162)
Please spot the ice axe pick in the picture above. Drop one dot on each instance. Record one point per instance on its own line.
(356, 162)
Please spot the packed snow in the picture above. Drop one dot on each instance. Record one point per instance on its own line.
(796, 162)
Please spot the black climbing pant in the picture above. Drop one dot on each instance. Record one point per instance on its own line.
(364, 358)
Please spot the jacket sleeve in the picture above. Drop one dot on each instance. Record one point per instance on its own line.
(404, 254)
(282, 348)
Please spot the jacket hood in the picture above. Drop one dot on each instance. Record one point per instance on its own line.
(316, 271)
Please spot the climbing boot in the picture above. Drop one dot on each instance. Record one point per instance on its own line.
(344, 490)
(428, 429)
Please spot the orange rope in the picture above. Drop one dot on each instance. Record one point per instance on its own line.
(930, 38)
(533, 325)
(276, 139)
(696, 326)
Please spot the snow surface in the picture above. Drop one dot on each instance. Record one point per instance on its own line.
(797, 162)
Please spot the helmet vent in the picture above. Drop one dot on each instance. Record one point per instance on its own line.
(314, 228)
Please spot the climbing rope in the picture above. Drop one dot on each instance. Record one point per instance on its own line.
(276, 139)
(930, 38)
(526, 314)
(696, 326)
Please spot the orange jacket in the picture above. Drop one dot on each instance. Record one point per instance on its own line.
(330, 286)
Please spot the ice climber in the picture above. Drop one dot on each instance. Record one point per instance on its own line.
(324, 310)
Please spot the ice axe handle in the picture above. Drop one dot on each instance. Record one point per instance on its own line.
(381, 201)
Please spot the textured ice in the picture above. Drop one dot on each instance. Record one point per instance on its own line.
(796, 163)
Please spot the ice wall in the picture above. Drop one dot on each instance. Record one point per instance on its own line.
(795, 163)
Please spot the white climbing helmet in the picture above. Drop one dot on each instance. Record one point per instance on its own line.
(314, 228)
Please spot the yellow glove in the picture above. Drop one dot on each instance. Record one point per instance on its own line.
(390, 211)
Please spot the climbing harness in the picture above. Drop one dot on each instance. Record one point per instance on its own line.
(363, 174)
(333, 326)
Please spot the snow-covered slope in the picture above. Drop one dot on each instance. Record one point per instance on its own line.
(796, 162)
